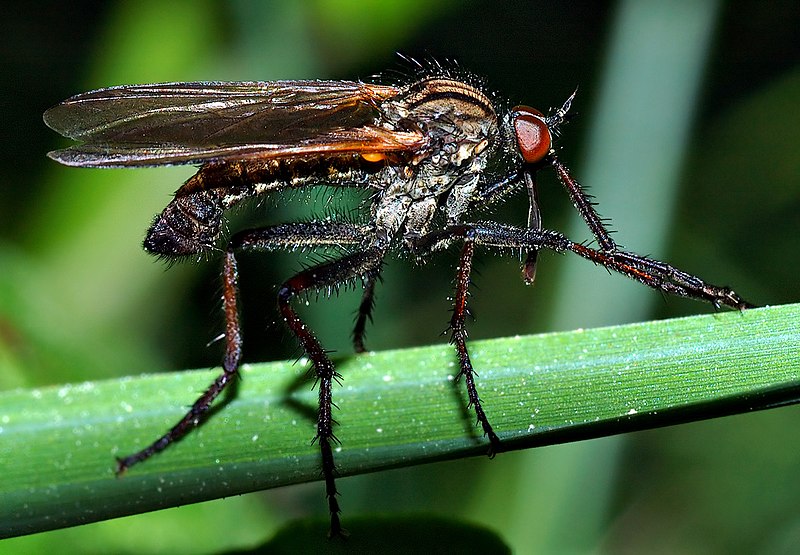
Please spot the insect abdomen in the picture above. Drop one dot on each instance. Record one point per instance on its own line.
(190, 224)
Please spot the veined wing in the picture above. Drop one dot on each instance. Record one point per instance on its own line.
(179, 123)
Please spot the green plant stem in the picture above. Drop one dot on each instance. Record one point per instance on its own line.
(396, 408)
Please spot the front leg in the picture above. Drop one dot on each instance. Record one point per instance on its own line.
(653, 273)
(584, 205)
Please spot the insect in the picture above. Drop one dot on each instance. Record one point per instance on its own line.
(430, 152)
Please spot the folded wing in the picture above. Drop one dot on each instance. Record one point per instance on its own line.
(181, 123)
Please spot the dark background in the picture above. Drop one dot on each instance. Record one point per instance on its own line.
(79, 299)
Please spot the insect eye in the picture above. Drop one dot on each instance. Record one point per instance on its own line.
(533, 135)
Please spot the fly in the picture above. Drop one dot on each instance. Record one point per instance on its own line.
(431, 152)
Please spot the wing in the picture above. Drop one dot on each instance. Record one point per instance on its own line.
(181, 123)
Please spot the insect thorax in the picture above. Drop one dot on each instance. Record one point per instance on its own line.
(459, 125)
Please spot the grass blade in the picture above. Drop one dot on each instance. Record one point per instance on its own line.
(396, 408)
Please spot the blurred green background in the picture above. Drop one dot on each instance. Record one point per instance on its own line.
(688, 133)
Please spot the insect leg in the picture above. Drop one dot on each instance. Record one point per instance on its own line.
(662, 276)
(459, 339)
(365, 265)
(437, 240)
(364, 313)
(307, 235)
(584, 205)
(230, 371)
(313, 234)
(507, 185)
(653, 273)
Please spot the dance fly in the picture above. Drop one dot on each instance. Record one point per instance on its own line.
(431, 152)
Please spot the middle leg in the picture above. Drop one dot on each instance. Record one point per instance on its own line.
(459, 339)
(364, 265)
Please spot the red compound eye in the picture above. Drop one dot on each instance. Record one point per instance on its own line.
(533, 135)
